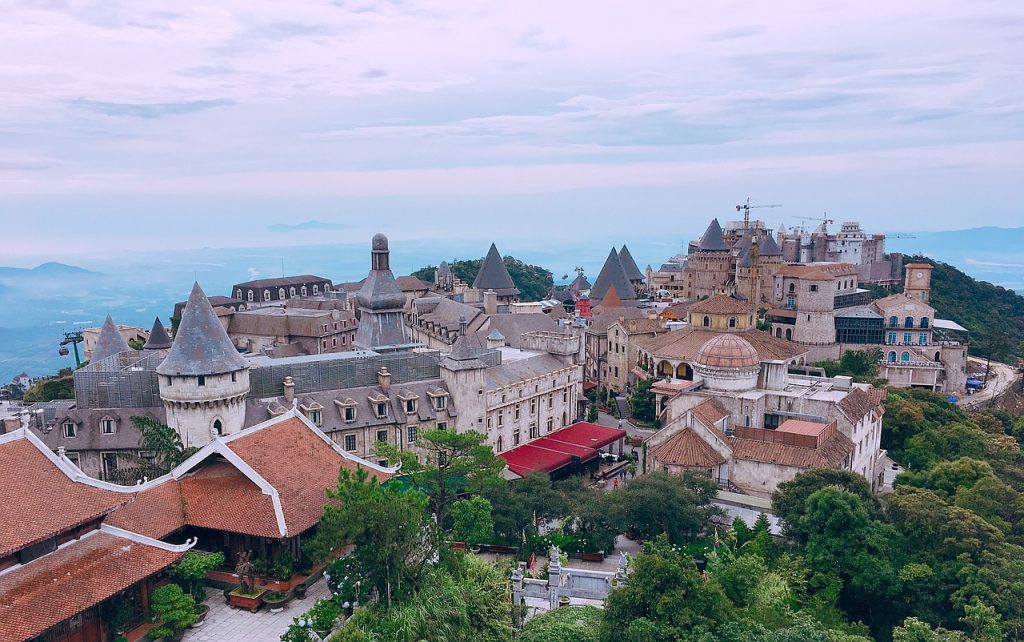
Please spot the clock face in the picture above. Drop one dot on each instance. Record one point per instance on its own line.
(920, 275)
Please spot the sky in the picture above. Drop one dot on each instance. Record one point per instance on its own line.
(245, 123)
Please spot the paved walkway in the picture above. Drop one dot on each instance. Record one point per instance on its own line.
(225, 624)
(1000, 379)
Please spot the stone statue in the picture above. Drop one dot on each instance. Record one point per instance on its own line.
(246, 572)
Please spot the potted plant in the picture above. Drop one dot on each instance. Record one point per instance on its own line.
(117, 614)
(276, 600)
(202, 610)
(247, 598)
(472, 522)
(323, 616)
(174, 609)
(190, 572)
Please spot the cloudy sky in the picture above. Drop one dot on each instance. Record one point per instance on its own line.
(225, 123)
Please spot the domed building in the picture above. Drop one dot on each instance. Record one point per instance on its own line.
(381, 303)
(728, 362)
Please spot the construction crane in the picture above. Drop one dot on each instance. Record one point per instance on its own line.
(746, 207)
(824, 219)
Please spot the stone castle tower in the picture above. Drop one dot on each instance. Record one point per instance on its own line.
(918, 283)
(203, 381)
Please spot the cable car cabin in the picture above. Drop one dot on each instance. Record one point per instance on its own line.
(63, 351)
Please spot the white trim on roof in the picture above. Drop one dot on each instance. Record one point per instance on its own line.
(147, 541)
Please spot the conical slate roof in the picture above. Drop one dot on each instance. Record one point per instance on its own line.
(713, 241)
(633, 272)
(769, 247)
(462, 356)
(579, 285)
(109, 342)
(443, 269)
(158, 339)
(493, 275)
(201, 345)
(612, 276)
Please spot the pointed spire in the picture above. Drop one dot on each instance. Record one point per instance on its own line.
(769, 247)
(158, 339)
(201, 345)
(493, 275)
(110, 341)
(713, 240)
(462, 356)
(611, 300)
(612, 277)
(633, 272)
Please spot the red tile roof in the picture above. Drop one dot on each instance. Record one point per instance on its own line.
(831, 454)
(53, 588)
(686, 449)
(221, 497)
(587, 434)
(709, 412)
(42, 498)
(686, 343)
(722, 304)
(155, 512)
(860, 402)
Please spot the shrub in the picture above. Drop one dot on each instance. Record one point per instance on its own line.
(472, 522)
(284, 567)
(191, 571)
(175, 608)
(343, 577)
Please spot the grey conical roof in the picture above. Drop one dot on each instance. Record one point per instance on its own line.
(110, 341)
(612, 276)
(462, 356)
(158, 339)
(444, 269)
(580, 284)
(495, 335)
(201, 345)
(493, 274)
(769, 247)
(713, 241)
(633, 272)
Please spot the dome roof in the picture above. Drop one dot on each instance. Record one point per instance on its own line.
(728, 351)
(379, 242)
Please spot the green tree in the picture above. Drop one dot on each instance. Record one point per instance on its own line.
(159, 439)
(191, 571)
(454, 462)
(471, 521)
(789, 502)
(60, 387)
(676, 505)
(534, 282)
(914, 630)
(642, 402)
(568, 624)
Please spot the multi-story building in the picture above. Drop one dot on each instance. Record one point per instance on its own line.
(623, 352)
(276, 291)
(294, 330)
(850, 245)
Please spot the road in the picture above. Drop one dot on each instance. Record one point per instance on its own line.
(1000, 378)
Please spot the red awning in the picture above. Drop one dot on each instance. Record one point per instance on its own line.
(549, 453)
(588, 386)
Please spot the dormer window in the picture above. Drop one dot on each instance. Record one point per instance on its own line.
(280, 293)
(266, 295)
(350, 414)
(440, 403)
(291, 291)
(316, 289)
(410, 406)
(70, 430)
(381, 409)
(108, 426)
(250, 295)
(316, 417)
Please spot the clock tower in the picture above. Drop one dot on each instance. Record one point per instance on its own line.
(918, 283)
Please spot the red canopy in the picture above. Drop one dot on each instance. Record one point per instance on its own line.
(555, 450)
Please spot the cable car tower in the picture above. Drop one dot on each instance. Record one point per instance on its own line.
(74, 338)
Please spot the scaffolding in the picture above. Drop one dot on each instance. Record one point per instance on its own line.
(122, 380)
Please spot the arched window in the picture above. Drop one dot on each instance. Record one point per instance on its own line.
(905, 357)
(894, 322)
(316, 289)
(218, 427)
(250, 295)
(707, 321)
(908, 322)
(937, 356)
(238, 293)
(266, 295)
(789, 334)
(924, 322)
(732, 322)
(291, 291)
(280, 293)
(892, 356)
(778, 332)
(792, 287)
(303, 290)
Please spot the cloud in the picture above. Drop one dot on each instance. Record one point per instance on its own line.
(150, 110)
(284, 228)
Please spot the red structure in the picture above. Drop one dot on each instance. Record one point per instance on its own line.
(564, 451)
(583, 306)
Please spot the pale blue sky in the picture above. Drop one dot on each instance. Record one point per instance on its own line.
(186, 124)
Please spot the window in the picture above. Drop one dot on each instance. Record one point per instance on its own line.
(411, 434)
(551, 423)
(382, 409)
(234, 377)
(280, 293)
(893, 322)
(908, 322)
(924, 322)
(250, 297)
(488, 423)
(551, 397)
(517, 412)
(70, 430)
(732, 322)
(892, 338)
(304, 291)
(382, 435)
(503, 398)
(908, 337)
(707, 321)
(442, 425)
(905, 357)
(814, 287)
(350, 413)
(515, 438)
(266, 295)
(382, 462)
(107, 425)
(790, 302)
(291, 291)
(316, 289)
(892, 356)
(440, 402)
(148, 456)
(565, 396)
(201, 380)
(218, 427)
(789, 334)
(922, 338)
(533, 406)
(350, 442)
(238, 293)
(410, 405)
(72, 457)
(534, 433)
(501, 418)
(616, 368)
(334, 342)
(501, 444)
(109, 461)
(170, 381)
(325, 327)
(316, 417)
(792, 287)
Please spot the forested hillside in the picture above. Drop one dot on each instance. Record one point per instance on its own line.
(533, 281)
(993, 314)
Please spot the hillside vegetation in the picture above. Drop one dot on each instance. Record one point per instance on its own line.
(993, 314)
(533, 281)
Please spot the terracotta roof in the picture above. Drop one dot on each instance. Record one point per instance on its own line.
(299, 464)
(722, 304)
(42, 498)
(611, 300)
(818, 271)
(155, 512)
(676, 311)
(728, 351)
(686, 449)
(642, 326)
(109, 342)
(831, 454)
(686, 343)
(221, 497)
(53, 588)
(860, 402)
(710, 412)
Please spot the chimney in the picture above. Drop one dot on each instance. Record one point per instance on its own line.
(462, 325)
(384, 380)
(289, 390)
(490, 302)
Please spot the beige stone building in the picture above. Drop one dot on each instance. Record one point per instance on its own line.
(303, 331)
(623, 350)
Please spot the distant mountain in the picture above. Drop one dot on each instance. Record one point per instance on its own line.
(51, 269)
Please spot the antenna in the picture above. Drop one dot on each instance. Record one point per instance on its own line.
(746, 207)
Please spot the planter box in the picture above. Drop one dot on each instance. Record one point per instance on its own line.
(242, 601)
(500, 549)
(459, 546)
(597, 556)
